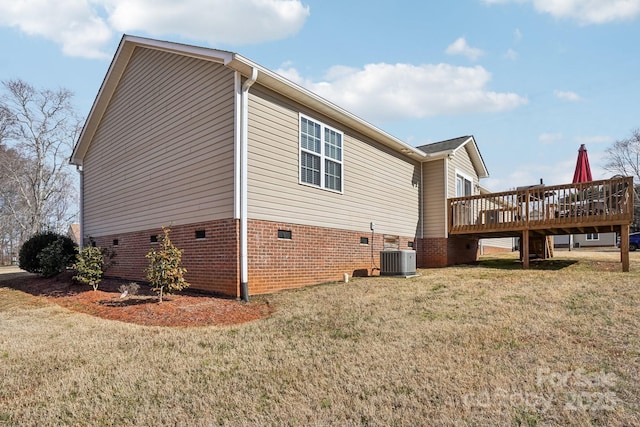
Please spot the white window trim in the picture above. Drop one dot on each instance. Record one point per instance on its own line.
(322, 155)
(466, 176)
(592, 239)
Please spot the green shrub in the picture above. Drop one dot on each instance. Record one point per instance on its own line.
(165, 272)
(89, 266)
(47, 254)
(92, 262)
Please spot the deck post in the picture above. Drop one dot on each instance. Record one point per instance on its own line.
(524, 249)
(624, 247)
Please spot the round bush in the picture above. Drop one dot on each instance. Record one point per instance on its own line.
(47, 253)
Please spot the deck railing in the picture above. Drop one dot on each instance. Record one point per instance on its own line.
(571, 205)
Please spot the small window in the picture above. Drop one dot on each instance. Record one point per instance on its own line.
(410, 244)
(593, 236)
(153, 238)
(201, 234)
(364, 240)
(284, 234)
(115, 242)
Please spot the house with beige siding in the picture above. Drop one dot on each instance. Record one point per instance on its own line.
(265, 185)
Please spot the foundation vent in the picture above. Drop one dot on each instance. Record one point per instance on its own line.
(398, 263)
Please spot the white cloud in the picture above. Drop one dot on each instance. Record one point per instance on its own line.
(215, 21)
(517, 35)
(593, 139)
(85, 27)
(460, 47)
(567, 95)
(511, 54)
(549, 138)
(584, 11)
(74, 24)
(383, 92)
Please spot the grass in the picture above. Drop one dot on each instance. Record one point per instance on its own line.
(469, 345)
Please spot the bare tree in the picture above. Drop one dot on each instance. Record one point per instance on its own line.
(38, 129)
(623, 157)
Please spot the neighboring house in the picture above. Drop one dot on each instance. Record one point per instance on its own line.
(265, 185)
(590, 240)
(74, 233)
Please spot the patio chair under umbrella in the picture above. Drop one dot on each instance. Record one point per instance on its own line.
(583, 170)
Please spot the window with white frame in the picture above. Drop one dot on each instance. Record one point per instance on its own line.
(593, 236)
(320, 155)
(464, 185)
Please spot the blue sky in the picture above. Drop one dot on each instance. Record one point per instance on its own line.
(530, 79)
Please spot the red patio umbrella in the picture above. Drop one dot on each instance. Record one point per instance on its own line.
(583, 170)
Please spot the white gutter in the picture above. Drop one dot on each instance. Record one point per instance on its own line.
(244, 168)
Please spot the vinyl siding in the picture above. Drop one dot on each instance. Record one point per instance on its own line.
(435, 201)
(499, 242)
(379, 185)
(163, 153)
(461, 162)
(604, 239)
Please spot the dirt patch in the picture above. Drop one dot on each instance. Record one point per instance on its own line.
(186, 309)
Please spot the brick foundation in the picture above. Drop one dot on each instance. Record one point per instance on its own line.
(313, 255)
(437, 252)
(211, 263)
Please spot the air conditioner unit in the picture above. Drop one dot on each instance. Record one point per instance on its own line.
(398, 263)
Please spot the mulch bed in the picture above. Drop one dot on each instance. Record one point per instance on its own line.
(185, 309)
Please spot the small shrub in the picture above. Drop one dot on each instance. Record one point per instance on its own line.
(47, 254)
(165, 272)
(90, 266)
(91, 263)
(130, 289)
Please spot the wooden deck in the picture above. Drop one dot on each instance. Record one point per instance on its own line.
(589, 207)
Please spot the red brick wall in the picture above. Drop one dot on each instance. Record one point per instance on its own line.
(313, 255)
(432, 252)
(462, 250)
(436, 252)
(211, 263)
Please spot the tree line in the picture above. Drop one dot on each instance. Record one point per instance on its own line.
(38, 128)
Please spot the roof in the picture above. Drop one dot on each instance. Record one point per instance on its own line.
(237, 63)
(450, 147)
(269, 79)
(74, 233)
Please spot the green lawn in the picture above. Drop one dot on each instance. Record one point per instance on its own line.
(473, 345)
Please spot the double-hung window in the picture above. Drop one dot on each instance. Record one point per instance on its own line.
(320, 155)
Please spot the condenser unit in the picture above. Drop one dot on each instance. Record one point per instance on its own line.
(398, 263)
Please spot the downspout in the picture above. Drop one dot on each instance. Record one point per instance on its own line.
(421, 200)
(244, 168)
(446, 195)
(81, 205)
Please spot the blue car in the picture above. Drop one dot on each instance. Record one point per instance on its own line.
(634, 241)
